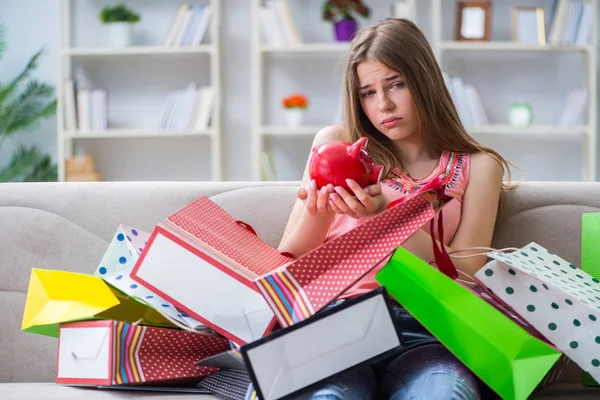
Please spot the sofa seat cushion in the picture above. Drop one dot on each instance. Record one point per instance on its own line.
(35, 391)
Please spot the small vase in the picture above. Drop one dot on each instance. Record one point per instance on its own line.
(120, 34)
(294, 116)
(345, 29)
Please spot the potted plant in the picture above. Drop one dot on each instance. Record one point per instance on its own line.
(341, 13)
(24, 102)
(120, 20)
(295, 107)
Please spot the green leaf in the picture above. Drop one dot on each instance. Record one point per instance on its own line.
(44, 171)
(7, 91)
(25, 112)
(21, 165)
(118, 13)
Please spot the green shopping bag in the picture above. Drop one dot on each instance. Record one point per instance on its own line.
(590, 261)
(502, 353)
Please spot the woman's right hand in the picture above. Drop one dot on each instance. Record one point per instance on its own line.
(316, 201)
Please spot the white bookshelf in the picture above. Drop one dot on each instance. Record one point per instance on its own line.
(72, 51)
(262, 55)
(443, 20)
(437, 19)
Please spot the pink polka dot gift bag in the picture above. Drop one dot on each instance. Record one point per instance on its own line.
(218, 271)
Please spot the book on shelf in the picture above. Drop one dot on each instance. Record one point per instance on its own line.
(190, 25)
(405, 9)
(85, 109)
(572, 106)
(467, 101)
(276, 24)
(570, 22)
(188, 109)
(267, 166)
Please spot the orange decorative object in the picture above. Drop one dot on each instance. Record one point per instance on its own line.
(295, 101)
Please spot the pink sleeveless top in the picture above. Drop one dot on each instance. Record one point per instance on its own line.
(452, 168)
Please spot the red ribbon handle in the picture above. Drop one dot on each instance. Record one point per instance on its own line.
(442, 258)
(247, 227)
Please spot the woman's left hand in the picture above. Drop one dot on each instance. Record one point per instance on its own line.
(362, 202)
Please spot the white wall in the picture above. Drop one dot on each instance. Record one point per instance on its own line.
(32, 24)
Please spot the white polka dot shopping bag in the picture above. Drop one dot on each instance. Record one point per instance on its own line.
(115, 268)
(560, 300)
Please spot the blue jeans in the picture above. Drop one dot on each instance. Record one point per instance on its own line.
(427, 372)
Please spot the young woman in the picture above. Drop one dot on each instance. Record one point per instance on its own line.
(395, 94)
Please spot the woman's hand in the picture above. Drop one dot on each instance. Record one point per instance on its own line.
(362, 202)
(316, 201)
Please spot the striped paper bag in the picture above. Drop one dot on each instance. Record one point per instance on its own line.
(110, 352)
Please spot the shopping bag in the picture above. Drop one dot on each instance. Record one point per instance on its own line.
(224, 258)
(115, 268)
(590, 260)
(204, 261)
(508, 358)
(118, 353)
(230, 384)
(296, 359)
(296, 291)
(60, 296)
(560, 300)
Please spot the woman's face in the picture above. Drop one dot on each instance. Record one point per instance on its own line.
(386, 100)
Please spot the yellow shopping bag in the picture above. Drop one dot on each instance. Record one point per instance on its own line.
(55, 296)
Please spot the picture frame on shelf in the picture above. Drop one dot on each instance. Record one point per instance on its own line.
(473, 22)
(404, 9)
(528, 25)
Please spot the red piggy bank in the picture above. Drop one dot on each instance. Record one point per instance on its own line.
(337, 161)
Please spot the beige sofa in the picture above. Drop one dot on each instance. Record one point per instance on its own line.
(68, 226)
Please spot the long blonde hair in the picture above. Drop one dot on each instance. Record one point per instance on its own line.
(401, 46)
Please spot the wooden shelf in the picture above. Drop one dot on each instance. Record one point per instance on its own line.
(137, 50)
(134, 133)
(509, 46)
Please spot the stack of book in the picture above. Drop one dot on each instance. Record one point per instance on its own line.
(276, 24)
(572, 106)
(571, 22)
(189, 26)
(85, 109)
(188, 109)
(467, 101)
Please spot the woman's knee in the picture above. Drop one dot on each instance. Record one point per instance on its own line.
(429, 372)
(355, 385)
